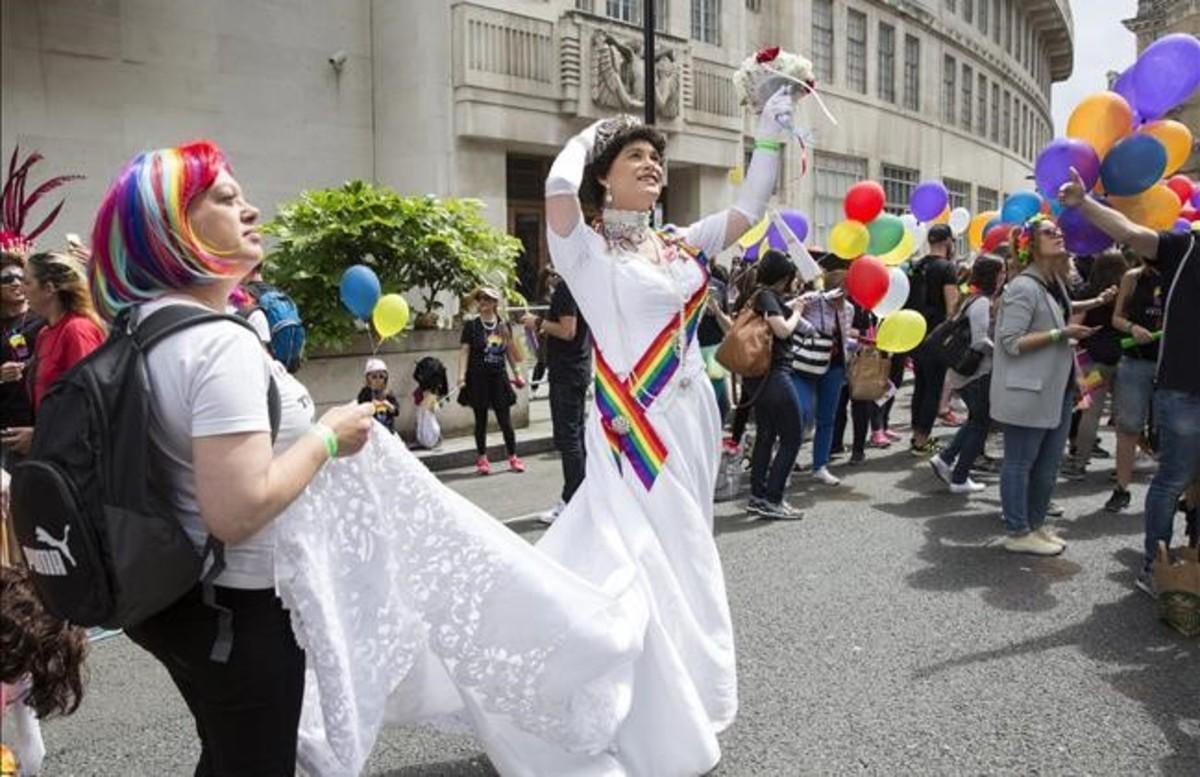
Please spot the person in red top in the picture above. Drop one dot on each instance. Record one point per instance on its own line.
(57, 290)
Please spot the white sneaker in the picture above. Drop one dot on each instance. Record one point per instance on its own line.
(942, 470)
(551, 515)
(1032, 544)
(1049, 535)
(823, 475)
(967, 487)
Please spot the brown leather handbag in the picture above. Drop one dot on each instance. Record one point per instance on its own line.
(868, 375)
(746, 349)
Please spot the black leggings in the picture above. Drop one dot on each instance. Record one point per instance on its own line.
(896, 376)
(503, 418)
(247, 709)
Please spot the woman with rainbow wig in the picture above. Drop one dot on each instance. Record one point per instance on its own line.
(1033, 389)
(360, 588)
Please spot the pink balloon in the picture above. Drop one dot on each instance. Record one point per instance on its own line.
(867, 281)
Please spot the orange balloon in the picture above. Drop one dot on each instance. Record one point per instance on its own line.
(1100, 120)
(975, 231)
(1155, 208)
(1176, 139)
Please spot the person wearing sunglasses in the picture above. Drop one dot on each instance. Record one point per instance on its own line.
(19, 327)
(1032, 390)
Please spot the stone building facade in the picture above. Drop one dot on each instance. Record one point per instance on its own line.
(474, 97)
(1156, 18)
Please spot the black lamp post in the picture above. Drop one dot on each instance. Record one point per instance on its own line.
(648, 52)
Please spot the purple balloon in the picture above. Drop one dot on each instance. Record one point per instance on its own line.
(1053, 166)
(1080, 235)
(1166, 74)
(1182, 225)
(929, 199)
(775, 239)
(1196, 197)
(796, 222)
(751, 254)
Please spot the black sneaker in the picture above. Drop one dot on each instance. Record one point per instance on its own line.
(780, 512)
(930, 447)
(1100, 453)
(1145, 584)
(856, 458)
(1118, 501)
(837, 452)
(756, 505)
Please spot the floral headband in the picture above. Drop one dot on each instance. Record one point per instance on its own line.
(1026, 233)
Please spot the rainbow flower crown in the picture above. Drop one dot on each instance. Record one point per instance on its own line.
(1026, 233)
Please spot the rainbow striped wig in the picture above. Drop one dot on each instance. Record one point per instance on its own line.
(142, 243)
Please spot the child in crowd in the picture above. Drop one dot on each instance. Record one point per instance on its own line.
(376, 390)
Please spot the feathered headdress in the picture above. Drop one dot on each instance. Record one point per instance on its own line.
(15, 206)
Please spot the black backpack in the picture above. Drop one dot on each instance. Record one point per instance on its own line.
(101, 542)
(950, 342)
(918, 291)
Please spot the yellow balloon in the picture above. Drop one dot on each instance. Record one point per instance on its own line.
(901, 332)
(943, 217)
(754, 234)
(1100, 120)
(849, 239)
(901, 252)
(975, 231)
(1155, 208)
(1176, 139)
(390, 314)
(736, 175)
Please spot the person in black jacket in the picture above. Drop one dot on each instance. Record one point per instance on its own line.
(376, 391)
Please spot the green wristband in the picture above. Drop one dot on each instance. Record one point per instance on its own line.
(328, 437)
(1055, 335)
(768, 145)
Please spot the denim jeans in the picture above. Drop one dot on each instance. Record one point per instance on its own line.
(777, 417)
(968, 442)
(818, 405)
(568, 411)
(1177, 417)
(1031, 459)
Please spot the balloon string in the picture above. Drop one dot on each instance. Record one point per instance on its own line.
(811, 90)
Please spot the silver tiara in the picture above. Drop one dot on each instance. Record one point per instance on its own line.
(608, 131)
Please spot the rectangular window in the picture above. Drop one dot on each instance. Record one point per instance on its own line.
(949, 90)
(981, 108)
(996, 26)
(754, 5)
(1019, 37)
(1008, 26)
(822, 34)
(950, 6)
(833, 176)
(995, 113)
(989, 199)
(969, 11)
(887, 63)
(1025, 144)
(627, 11)
(706, 21)
(1006, 129)
(960, 197)
(984, 16)
(856, 51)
(968, 96)
(898, 185)
(622, 10)
(912, 72)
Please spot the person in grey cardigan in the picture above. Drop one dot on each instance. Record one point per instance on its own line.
(1032, 389)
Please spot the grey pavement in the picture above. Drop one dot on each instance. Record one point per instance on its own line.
(886, 633)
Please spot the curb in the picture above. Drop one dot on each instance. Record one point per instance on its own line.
(452, 457)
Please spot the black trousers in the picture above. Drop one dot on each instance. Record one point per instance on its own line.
(247, 709)
(777, 418)
(865, 415)
(896, 376)
(568, 411)
(928, 375)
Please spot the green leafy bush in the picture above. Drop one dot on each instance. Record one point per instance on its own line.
(427, 244)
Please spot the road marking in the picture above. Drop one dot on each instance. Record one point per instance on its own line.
(519, 518)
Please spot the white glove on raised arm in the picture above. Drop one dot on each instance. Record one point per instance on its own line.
(566, 174)
(773, 132)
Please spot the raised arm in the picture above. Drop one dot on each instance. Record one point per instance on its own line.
(1111, 222)
(763, 171)
(566, 176)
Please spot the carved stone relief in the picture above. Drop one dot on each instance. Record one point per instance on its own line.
(618, 74)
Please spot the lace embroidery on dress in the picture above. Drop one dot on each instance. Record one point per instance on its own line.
(378, 562)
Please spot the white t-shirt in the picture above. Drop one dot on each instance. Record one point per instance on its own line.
(208, 380)
(258, 319)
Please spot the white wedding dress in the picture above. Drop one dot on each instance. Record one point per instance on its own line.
(607, 649)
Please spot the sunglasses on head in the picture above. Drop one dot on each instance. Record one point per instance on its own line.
(10, 278)
(1051, 232)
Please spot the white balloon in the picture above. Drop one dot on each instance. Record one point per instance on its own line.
(897, 293)
(920, 235)
(909, 221)
(960, 219)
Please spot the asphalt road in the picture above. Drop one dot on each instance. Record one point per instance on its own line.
(886, 633)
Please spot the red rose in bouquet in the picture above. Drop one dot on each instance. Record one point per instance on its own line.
(767, 54)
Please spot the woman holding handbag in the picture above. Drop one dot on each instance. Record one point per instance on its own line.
(819, 351)
(867, 379)
(776, 409)
(971, 379)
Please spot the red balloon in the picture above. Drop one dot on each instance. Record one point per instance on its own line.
(996, 237)
(1182, 186)
(1191, 214)
(864, 201)
(867, 282)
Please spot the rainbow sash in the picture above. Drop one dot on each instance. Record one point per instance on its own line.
(623, 403)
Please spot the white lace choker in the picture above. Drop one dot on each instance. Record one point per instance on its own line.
(625, 227)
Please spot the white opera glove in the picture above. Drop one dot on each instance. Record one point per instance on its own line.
(762, 173)
(776, 120)
(566, 174)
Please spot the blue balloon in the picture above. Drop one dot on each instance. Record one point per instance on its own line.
(1133, 165)
(1080, 235)
(1019, 206)
(360, 290)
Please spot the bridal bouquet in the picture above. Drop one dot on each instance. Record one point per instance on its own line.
(762, 73)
